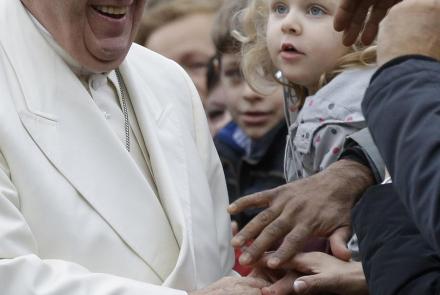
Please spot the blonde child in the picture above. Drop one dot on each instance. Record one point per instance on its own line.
(293, 42)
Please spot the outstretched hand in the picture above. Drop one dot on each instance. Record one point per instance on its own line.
(320, 273)
(353, 17)
(319, 205)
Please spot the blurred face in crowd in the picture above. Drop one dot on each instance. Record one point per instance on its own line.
(96, 33)
(256, 114)
(187, 41)
(216, 111)
(301, 39)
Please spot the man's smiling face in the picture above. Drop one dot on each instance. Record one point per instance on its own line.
(96, 33)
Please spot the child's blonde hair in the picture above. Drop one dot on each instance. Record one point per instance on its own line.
(257, 65)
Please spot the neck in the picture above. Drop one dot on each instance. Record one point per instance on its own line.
(313, 88)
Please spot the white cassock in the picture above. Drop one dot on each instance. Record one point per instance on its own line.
(79, 214)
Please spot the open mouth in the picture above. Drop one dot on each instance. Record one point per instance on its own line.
(112, 11)
(290, 48)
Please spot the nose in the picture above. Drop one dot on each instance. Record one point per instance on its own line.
(291, 24)
(250, 95)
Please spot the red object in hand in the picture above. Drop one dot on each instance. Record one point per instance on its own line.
(241, 269)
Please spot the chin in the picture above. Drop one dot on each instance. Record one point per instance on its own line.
(99, 66)
(254, 135)
(106, 57)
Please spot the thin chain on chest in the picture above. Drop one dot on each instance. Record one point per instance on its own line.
(124, 109)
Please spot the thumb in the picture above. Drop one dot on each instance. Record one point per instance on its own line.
(338, 243)
(314, 284)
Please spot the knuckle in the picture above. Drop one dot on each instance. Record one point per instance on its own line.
(295, 238)
(266, 216)
(242, 202)
(254, 249)
(282, 224)
(273, 231)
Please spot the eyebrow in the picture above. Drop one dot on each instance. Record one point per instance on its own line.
(326, 3)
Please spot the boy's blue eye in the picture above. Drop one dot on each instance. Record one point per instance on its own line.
(280, 8)
(316, 11)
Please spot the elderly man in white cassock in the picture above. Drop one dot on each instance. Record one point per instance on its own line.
(109, 181)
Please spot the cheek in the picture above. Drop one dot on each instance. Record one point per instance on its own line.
(332, 44)
(279, 106)
(272, 44)
(199, 81)
(330, 53)
(276, 99)
(232, 96)
(139, 11)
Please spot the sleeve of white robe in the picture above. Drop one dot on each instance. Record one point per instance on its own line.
(216, 181)
(22, 272)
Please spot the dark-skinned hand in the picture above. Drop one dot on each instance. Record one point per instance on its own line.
(353, 17)
(317, 206)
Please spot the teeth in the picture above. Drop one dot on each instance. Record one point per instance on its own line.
(112, 10)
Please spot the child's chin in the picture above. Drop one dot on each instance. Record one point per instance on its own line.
(255, 132)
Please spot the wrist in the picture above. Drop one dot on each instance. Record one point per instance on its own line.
(350, 178)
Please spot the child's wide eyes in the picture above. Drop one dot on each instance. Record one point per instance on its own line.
(280, 8)
(316, 10)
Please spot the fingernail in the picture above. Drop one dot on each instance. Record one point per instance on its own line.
(245, 258)
(273, 262)
(299, 286)
(237, 241)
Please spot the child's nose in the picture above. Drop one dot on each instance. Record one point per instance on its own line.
(291, 25)
(250, 95)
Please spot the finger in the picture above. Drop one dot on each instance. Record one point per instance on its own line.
(370, 32)
(261, 270)
(338, 243)
(357, 23)
(378, 13)
(282, 287)
(344, 14)
(255, 226)
(257, 200)
(258, 273)
(314, 284)
(292, 244)
(271, 234)
(310, 262)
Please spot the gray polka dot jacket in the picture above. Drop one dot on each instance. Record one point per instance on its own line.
(318, 131)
